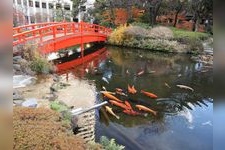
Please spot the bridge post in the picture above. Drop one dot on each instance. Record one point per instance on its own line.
(82, 44)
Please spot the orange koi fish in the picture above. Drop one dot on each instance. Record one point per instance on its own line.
(128, 105)
(141, 107)
(109, 96)
(131, 112)
(149, 94)
(121, 105)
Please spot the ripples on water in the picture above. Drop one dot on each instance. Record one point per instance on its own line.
(185, 118)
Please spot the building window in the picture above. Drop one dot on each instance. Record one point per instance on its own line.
(67, 7)
(43, 5)
(31, 3)
(24, 2)
(58, 5)
(18, 1)
(50, 5)
(37, 4)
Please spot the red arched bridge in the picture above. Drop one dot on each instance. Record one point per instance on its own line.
(54, 36)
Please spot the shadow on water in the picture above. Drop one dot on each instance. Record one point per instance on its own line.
(184, 119)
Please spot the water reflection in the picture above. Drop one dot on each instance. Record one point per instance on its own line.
(184, 117)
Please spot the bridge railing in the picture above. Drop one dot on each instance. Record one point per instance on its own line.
(51, 32)
(21, 29)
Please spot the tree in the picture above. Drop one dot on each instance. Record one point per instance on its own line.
(174, 7)
(152, 8)
(201, 9)
(177, 7)
(101, 6)
(76, 6)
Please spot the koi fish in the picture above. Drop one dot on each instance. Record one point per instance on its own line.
(119, 90)
(112, 93)
(127, 72)
(104, 88)
(128, 105)
(131, 112)
(151, 95)
(131, 90)
(108, 109)
(121, 93)
(185, 87)
(141, 107)
(104, 79)
(121, 105)
(109, 96)
(167, 85)
(140, 73)
(134, 90)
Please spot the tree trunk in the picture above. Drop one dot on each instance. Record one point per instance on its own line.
(196, 25)
(176, 16)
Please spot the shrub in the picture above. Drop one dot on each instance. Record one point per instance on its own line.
(40, 128)
(161, 32)
(57, 106)
(110, 144)
(135, 31)
(94, 146)
(117, 37)
(37, 62)
(158, 38)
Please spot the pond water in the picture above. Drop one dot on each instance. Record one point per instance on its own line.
(184, 119)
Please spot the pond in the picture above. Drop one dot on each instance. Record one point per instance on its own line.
(184, 118)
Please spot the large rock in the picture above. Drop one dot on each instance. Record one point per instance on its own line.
(31, 102)
(18, 102)
(17, 67)
(17, 95)
(17, 59)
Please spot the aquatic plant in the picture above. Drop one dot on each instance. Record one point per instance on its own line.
(110, 144)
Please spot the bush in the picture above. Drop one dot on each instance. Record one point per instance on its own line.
(57, 106)
(110, 144)
(118, 37)
(135, 31)
(40, 128)
(158, 38)
(37, 62)
(161, 33)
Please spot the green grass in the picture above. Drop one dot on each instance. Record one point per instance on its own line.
(184, 34)
(57, 106)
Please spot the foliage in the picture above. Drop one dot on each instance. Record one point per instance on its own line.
(110, 144)
(93, 146)
(117, 37)
(135, 31)
(57, 106)
(41, 128)
(161, 32)
(158, 38)
(37, 62)
(142, 25)
(63, 109)
(76, 5)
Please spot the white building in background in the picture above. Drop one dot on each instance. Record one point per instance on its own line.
(35, 11)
